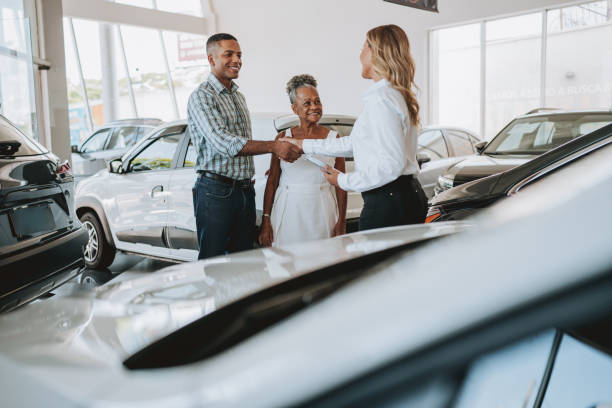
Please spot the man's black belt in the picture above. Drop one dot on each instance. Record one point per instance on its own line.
(244, 183)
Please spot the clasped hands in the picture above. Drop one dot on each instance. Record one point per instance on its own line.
(329, 172)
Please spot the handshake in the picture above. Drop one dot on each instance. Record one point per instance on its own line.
(288, 149)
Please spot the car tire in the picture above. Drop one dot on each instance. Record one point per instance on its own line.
(99, 253)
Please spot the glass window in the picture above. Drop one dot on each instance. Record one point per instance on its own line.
(17, 101)
(509, 377)
(157, 155)
(582, 377)
(579, 57)
(189, 7)
(188, 64)
(539, 134)
(190, 157)
(96, 142)
(432, 144)
(123, 137)
(148, 72)
(460, 142)
(456, 76)
(513, 53)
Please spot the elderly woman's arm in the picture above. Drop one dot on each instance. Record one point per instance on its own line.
(266, 234)
(341, 197)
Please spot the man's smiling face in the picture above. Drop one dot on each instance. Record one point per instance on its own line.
(226, 60)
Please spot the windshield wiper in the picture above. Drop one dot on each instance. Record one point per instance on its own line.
(231, 324)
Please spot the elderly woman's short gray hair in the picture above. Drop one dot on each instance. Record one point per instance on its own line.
(299, 81)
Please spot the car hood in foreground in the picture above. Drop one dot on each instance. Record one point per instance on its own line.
(413, 301)
(478, 166)
(105, 326)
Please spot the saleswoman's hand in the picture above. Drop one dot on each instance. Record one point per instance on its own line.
(297, 142)
(339, 228)
(331, 175)
(266, 236)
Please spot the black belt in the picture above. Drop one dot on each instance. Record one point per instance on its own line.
(397, 182)
(244, 183)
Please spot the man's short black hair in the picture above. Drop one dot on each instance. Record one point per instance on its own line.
(216, 38)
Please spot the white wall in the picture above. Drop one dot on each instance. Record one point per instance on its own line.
(281, 38)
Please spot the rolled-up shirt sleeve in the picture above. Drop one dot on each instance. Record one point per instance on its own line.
(208, 124)
(386, 145)
(338, 147)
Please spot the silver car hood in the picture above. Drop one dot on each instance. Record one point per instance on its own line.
(104, 326)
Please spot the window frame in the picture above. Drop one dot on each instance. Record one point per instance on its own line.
(152, 139)
(432, 86)
(108, 129)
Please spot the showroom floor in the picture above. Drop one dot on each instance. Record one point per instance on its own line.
(124, 267)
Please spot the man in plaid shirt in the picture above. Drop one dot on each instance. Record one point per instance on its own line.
(220, 129)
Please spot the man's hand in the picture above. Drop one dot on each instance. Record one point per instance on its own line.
(331, 175)
(296, 142)
(286, 151)
(266, 236)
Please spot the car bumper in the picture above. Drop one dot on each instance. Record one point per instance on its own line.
(41, 269)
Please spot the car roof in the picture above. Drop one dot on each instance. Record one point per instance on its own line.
(286, 121)
(451, 127)
(561, 112)
(134, 121)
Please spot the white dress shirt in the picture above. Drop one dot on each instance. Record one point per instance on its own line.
(383, 141)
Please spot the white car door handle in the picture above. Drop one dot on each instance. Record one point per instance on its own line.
(157, 189)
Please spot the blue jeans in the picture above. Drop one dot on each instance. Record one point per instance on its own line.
(225, 217)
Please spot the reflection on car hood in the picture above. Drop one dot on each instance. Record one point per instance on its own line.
(472, 190)
(478, 166)
(105, 326)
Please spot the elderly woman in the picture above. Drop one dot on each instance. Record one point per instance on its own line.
(299, 203)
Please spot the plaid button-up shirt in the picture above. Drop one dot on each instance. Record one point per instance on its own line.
(219, 126)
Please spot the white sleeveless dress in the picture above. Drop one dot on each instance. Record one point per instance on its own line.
(305, 206)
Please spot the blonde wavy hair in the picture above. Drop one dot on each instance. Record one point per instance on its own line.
(391, 60)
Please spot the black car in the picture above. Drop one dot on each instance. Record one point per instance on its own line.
(462, 201)
(41, 239)
(522, 140)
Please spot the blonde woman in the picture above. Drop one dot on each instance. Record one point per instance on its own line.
(384, 138)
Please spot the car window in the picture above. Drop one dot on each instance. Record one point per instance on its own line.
(538, 134)
(123, 137)
(460, 142)
(157, 155)
(15, 143)
(509, 377)
(432, 144)
(190, 157)
(96, 142)
(581, 377)
(143, 131)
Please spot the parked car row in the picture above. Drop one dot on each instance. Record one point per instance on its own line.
(553, 154)
(142, 203)
(402, 316)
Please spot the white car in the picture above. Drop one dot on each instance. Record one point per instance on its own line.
(366, 319)
(143, 203)
(108, 142)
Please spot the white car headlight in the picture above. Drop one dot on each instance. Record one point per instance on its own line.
(446, 182)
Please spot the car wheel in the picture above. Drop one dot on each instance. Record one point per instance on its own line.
(98, 252)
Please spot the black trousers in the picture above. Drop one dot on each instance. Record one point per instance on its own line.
(400, 202)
